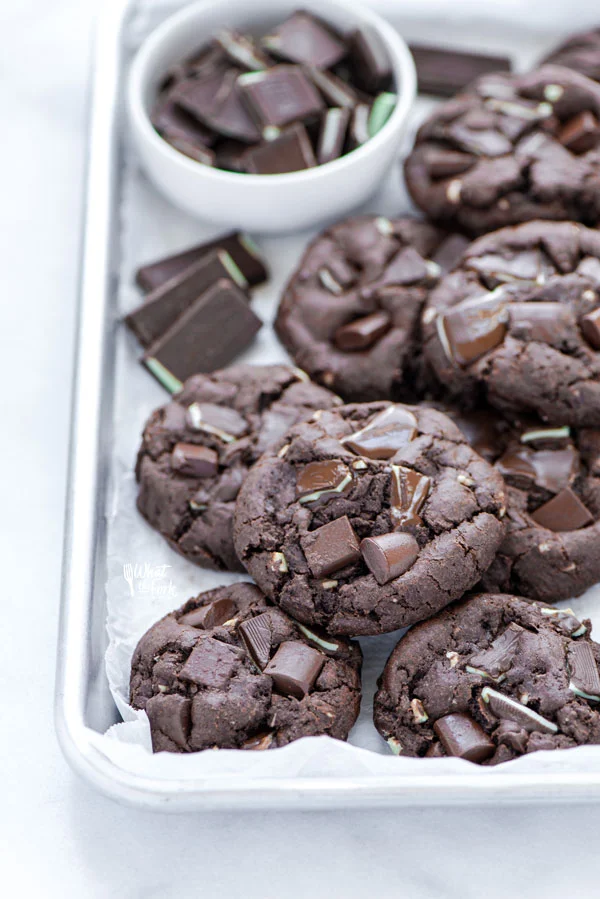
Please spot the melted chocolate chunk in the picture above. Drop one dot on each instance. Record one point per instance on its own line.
(408, 494)
(211, 615)
(218, 420)
(331, 547)
(551, 469)
(505, 708)
(564, 512)
(389, 555)
(195, 461)
(546, 322)
(362, 333)
(445, 163)
(585, 679)
(294, 668)
(498, 658)
(461, 736)
(257, 635)
(385, 434)
(319, 480)
(472, 329)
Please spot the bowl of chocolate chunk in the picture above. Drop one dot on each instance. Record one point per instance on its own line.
(268, 117)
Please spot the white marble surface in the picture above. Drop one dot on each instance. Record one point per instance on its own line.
(57, 837)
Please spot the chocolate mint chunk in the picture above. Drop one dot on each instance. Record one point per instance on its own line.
(209, 335)
(242, 50)
(336, 92)
(319, 480)
(472, 329)
(225, 111)
(210, 663)
(332, 136)
(551, 469)
(359, 126)
(585, 679)
(213, 614)
(280, 96)
(174, 123)
(505, 708)
(371, 63)
(498, 658)
(528, 265)
(331, 547)
(407, 267)
(444, 72)
(195, 461)
(389, 555)
(167, 302)
(409, 491)
(223, 422)
(462, 737)
(564, 512)
(580, 133)
(385, 434)
(240, 248)
(257, 634)
(290, 152)
(170, 714)
(294, 668)
(362, 333)
(545, 322)
(382, 108)
(305, 39)
(590, 328)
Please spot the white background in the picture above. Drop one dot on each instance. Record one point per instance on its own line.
(57, 837)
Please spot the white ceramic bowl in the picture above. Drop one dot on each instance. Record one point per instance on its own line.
(262, 203)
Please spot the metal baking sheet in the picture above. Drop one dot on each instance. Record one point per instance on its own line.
(84, 706)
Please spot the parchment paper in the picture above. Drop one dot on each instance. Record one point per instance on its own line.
(163, 580)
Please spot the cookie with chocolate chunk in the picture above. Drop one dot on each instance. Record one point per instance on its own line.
(489, 679)
(349, 316)
(229, 671)
(580, 52)
(369, 517)
(552, 474)
(196, 452)
(510, 149)
(517, 323)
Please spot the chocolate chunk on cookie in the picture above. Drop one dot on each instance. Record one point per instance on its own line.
(580, 52)
(516, 323)
(369, 517)
(350, 313)
(531, 148)
(196, 452)
(229, 671)
(489, 679)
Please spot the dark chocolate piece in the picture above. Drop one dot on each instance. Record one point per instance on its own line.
(580, 133)
(195, 461)
(170, 714)
(371, 63)
(219, 105)
(294, 668)
(472, 329)
(242, 50)
(449, 251)
(257, 633)
(197, 95)
(359, 126)
(445, 163)
(444, 72)
(384, 435)
(290, 152)
(336, 92)
(585, 679)
(210, 663)
(319, 480)
(230, 155)
(280, 96)
(167, 302)
(462, 737)
(409, 491)
(564, 512)
(174, 123)
(508, 709)
(498, 658)
(551, 469)
(208, 335)
(240, 248)
(211, 615)
(332, 135)
(590, 328)
(221, 421)
(304, 39)
(331, 547)
(406, 268)
(545, 322)
(389, 555)
(363, 332)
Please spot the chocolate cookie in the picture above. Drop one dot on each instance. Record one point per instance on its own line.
(580, 52)
(196, 452)
(489, 679)
(369, 517)
(228, 671)
(511, 149)
(349, 316)
(518, 323)
(550, 550)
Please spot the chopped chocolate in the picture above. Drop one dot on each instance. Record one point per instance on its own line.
(580, 133)
(444, 72)
(332, 136)
(546, 322)
(385, 434)
(590, 328)
(445, 163)
(241, 50)
(305, 39)
(213, 614)
(389, 555)
(208, 335)
(280, 96)
(225, 111)
(257, 634)
(371, 63)
(167, 302)
(290, 152)
(221, 421)
(585, 679)
(294, 668)
(359, 126)
(319, 480)
(174, 123)
(508, 709)
(473, 328)
(335, 91)
(450, 251)
(170, 714)
(362, 333)
(195, 461)
(331, 547)
(551, 469)
(406, 267)
(461, 736)
(238, 246)
(409, 491)
(564, 512)
(498, 658)
(210, 663)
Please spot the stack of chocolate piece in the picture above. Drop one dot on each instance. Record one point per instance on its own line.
(298, 97)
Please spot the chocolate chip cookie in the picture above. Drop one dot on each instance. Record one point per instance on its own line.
(550, 550)
(228, 671)
(349, 316)
(518, 323)
(489, 679)
(196, 452)
(369, 517)
(512, 148)
(580, 52)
